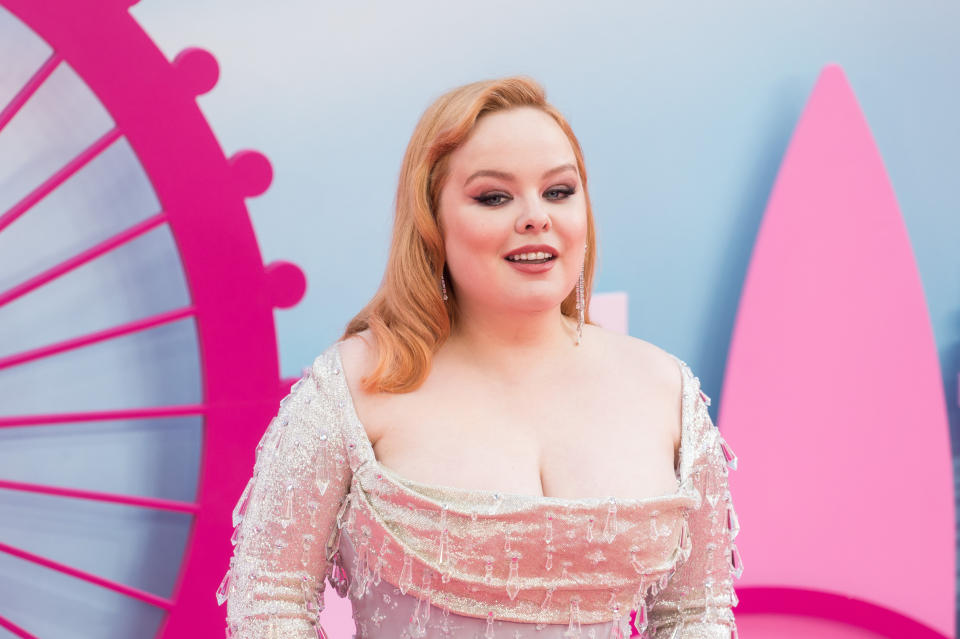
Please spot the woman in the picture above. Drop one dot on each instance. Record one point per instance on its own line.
(473, 457)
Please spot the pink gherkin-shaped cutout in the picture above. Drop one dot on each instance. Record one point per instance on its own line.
(833, 397)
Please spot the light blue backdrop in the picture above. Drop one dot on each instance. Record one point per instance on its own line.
(683, 109)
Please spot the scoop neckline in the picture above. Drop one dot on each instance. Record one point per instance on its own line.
(360, 433)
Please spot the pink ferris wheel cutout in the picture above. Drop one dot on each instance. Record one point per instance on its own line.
(152, 105)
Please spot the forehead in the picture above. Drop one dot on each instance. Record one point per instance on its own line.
(514, 137)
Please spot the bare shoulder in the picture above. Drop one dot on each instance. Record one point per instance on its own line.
(654, 366)
(358, 349)
(358, 354)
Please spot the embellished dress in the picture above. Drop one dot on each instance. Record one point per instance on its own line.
(423, 560)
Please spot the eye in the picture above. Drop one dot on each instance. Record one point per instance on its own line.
(496, 199)
(565, 190)
(487, 199)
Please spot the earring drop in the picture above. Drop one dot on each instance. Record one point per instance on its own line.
(580, 302)
(443, 286)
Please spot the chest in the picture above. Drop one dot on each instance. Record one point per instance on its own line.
(568, 436)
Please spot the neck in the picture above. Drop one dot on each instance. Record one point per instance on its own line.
(508, 344)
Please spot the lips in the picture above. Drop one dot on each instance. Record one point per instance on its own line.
(532, 267)
(533, 261)
(533, 248)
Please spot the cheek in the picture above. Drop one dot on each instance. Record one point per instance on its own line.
(574, 233)
(474, 237)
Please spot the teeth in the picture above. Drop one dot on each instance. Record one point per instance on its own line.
(529, 256)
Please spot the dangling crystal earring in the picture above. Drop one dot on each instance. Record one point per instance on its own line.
(580, 301)
(443, 286)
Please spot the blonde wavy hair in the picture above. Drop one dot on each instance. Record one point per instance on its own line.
(407, 315)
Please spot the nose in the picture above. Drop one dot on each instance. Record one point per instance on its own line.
(534, 216)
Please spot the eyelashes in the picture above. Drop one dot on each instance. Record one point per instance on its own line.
(497, 199)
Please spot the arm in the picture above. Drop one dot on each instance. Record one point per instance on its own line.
(698, 600)
(285, 518)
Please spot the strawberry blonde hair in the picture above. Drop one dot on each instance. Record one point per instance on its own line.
(407, 315)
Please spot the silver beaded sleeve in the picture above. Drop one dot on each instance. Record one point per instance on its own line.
(286, 519)
(697, 603)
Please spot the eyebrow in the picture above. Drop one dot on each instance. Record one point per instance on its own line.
(510, 177)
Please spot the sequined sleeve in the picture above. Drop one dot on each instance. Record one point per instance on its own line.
(286, 517)
(697, 602)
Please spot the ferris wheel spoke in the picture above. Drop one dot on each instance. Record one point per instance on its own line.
(149, 412)
(123, 589)
(97, 336)
(15, 629)
(58, 178)
(78, 260)
(28, 89)
(114, 498)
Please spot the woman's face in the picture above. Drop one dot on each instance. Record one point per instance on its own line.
(513, 183)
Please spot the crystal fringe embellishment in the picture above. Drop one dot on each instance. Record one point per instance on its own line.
(573, 628)
(224, 589)
(616, 630)
(308, 601)
(305, 555)
(343, 507)
(377, 572)
(287, 515)
(351, 516)
(361, 567)
(280, 433)
(686, 545)
(419, 618)
(353, 456)
(322, 474)
(406, 574)
(713, 498)
(636, 563)
(677, 631)
(610, 526)
(513, 581)
(241, 508)
(656, 531)
(337, 575)
(736, 564)
(704, 397)
(441, 553)
(664, 580)
(733, 522)
(487, 569)
(641, 619)
(488, 633)
(728, 454)
(654, 588)
(547, 597)
(427, 593)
